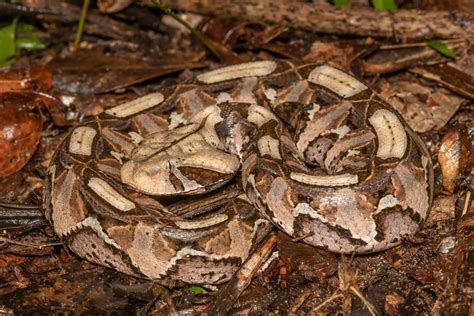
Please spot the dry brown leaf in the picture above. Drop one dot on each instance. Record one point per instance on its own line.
(454, 156)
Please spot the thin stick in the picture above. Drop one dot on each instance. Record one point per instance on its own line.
(467, 201)
(299, 301)
(201, 37)
(336, 295)
(19, 206)
(367, 304)
(27, 244)
(80, 27)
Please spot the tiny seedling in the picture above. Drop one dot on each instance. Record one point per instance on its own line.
(17, 36)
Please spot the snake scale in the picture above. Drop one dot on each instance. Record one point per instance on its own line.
(318, 154)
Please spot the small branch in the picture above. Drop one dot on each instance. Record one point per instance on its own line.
(403, 24)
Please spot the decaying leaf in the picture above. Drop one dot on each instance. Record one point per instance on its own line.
(310, 262)
(391, 58)
(36, 78)
(424, 108)
(20, 128)
(455, 156)
(449, 76)
(91, 71)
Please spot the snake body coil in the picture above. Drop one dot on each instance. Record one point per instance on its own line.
(319, 155)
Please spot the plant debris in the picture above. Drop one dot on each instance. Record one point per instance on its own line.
(419, 60)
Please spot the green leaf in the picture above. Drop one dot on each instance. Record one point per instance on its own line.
(196, 289)
(384, 5)
(441, 48)
(341, 3)
(14, 37)
(25, 28)
(7, 43)
(30, 43)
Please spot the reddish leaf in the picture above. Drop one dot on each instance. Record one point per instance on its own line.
(20, 129)
(38, 78)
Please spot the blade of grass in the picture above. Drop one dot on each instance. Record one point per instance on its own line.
(201, 37)
(7, 43)
(441, 48)
(80, 27)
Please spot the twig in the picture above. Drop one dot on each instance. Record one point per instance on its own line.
(201, 37)
(347, 283)
(242, 278)
(27, 244)
(467, 202)
(80, 27)
(334, 296)
(299, 301)
(367, 304)
(19, 206)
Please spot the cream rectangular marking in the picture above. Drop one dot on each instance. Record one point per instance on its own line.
(337, 81)
(81, 140)
(268, 145)
(252, 69)
(259, 115)
(219, 218)
(327, 181)
(105, 191)
(141, 104)
(392, 138)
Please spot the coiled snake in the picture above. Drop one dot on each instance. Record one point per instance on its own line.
(317, 152)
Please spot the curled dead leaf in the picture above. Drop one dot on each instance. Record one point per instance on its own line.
(20, 129)
(455, 156)
(21, 122)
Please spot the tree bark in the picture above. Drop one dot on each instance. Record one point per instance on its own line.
(407, 25)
